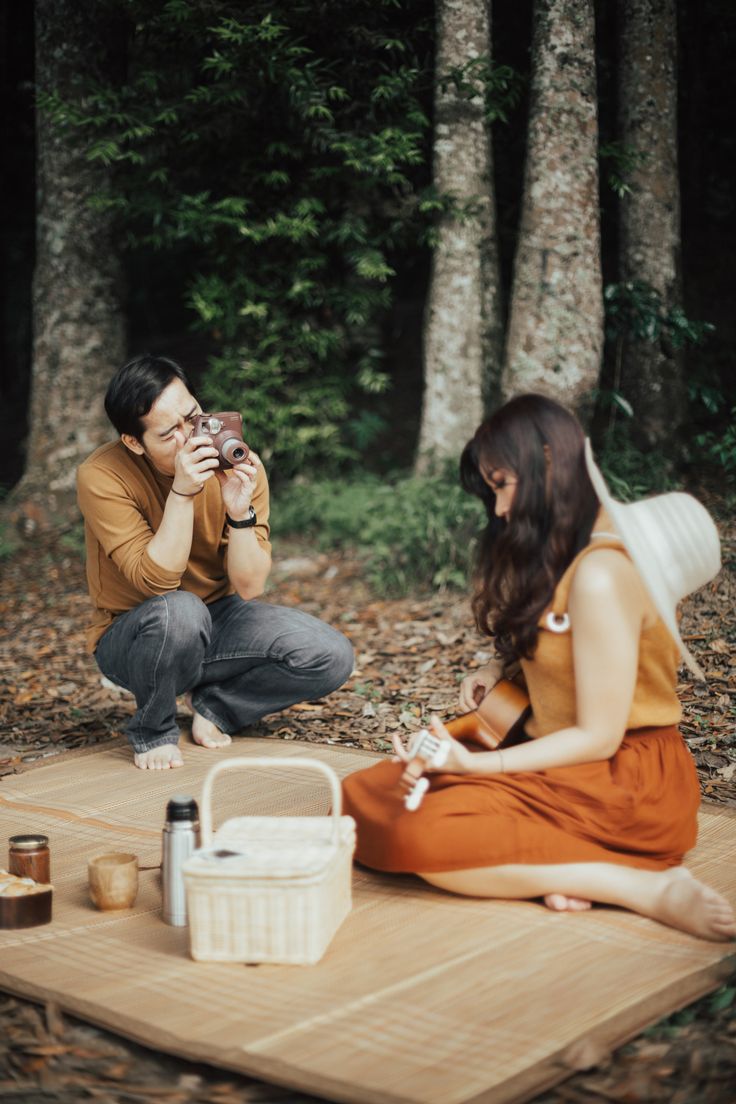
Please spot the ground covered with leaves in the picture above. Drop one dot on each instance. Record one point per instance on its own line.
(410, 655)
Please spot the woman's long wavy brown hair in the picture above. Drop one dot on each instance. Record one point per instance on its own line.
(521, 560)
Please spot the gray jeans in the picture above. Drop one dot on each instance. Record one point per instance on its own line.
(240, 660)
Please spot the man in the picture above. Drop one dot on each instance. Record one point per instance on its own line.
(177, 553)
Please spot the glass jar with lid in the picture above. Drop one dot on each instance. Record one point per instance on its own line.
(29, 857)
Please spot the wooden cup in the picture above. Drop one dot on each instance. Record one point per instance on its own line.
(113, 880)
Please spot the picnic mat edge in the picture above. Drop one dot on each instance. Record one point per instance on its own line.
(587, 1051)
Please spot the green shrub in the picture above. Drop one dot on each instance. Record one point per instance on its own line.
(632, 473)
(72, 539)
(284, 147)
(635, 312)
(718, 449)
(411, 532)
(9, 540)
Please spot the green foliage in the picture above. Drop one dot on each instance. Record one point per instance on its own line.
(9, 541)
(623, 161)
(719, 448)
(634, 310)
(286, 146)
(9, 537)
(630, 472)
(716, 446)
(498, 86)
(716, 1007)
(411, 532)
(73, 540)
(723, 998)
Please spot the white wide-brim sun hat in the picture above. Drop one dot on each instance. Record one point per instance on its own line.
(673, 543)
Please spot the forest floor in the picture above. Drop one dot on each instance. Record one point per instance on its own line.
(410, 655)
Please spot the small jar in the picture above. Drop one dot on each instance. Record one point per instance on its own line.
(28, 857)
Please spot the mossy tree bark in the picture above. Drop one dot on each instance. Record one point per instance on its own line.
(555, 332)
(463, 319)
(652, 372)
(78, 331)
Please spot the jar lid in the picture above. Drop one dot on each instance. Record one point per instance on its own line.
(28, 843)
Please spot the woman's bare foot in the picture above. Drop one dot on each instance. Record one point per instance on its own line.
(687, 904)
(559, 902)
(204, 732)
(163, 757)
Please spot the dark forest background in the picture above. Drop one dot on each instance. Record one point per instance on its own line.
(159, 318)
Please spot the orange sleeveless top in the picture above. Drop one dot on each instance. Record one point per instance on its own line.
(550, 676)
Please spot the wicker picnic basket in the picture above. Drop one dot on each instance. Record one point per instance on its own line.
(269, 889)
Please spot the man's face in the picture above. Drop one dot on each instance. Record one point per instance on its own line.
(173, 410)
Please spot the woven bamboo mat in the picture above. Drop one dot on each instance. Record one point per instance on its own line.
(421, 997)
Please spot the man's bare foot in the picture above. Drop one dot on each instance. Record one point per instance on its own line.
(687, 904)
(163, 757)
(559, 902)
(204, 732)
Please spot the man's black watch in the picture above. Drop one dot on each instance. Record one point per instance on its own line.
(246, 523)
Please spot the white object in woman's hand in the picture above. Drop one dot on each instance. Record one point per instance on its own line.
(457, 761)
(413, 799)
(426, 750)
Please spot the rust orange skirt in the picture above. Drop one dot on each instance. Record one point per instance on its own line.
(638, 808)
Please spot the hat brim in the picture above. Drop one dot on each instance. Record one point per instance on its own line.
(649, 546)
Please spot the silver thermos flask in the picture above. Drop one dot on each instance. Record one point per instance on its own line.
(180, 839)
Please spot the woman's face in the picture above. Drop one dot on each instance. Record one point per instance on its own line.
(502, 482)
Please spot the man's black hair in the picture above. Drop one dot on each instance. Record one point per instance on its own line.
(134, 389)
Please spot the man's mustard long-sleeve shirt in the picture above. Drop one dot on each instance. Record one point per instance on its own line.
(122, 498)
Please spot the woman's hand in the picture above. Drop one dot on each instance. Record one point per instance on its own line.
(477, 684)
(238, 486)
(459, 759)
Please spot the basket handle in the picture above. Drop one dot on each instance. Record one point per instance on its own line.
(261, 761)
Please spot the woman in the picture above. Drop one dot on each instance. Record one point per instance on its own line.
(600, 803)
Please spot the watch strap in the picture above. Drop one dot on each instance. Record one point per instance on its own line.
(246, 523)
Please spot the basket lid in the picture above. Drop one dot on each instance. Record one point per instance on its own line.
(284, 848)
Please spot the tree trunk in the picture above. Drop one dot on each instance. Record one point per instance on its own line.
(78, 331)
(463, 323)
(652, 372)
(17, 229)
(555, 333)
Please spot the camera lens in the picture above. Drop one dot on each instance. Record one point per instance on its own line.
(233, 451)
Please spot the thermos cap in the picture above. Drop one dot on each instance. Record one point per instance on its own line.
(181, 807)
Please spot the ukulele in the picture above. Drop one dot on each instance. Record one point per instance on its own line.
(500, 715)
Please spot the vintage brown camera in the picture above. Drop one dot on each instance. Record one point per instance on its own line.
(226, 430)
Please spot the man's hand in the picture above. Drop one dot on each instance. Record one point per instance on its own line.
(238, 486)
(195, 463)
(477, 684)
(248, 562)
